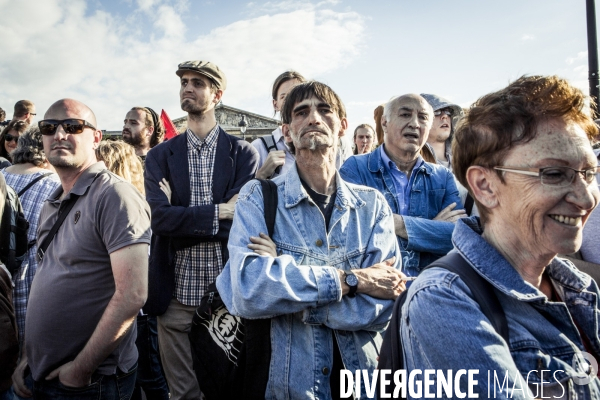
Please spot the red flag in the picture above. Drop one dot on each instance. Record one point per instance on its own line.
(170, 130)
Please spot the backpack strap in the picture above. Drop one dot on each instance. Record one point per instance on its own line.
(61, 218)
(32, 242)
(469, 202)
(269, 142)
(270, 198)
(391, 355)
(33, 182)
(482, 290)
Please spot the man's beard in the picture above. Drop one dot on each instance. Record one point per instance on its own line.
(59, 162)
(195, 113)
(135, 141)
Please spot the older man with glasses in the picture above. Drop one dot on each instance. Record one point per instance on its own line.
(93, 272)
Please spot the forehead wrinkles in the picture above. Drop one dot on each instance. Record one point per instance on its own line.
(559, 140)
(413, 104)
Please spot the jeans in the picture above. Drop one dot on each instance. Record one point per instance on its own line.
(7, 394)
(150, 376)
(106, 387)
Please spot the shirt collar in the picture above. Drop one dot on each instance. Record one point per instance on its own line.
(278, 137)
(209, 141)
(391, 165)
(294, 192)
(499, 272)
(83, 182)
(277, 134)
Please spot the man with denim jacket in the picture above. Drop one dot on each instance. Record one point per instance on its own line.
(423, 196)
(329, 276)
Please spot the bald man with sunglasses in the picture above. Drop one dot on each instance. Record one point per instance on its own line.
(93, 272)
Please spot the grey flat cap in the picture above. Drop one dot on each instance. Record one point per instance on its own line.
(206, 68)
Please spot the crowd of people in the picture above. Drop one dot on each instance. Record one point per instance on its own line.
(128, 238)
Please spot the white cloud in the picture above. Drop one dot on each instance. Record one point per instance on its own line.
(106, 61)
(581, 56)
(527, 38)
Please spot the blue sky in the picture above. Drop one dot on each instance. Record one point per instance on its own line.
(116, 54)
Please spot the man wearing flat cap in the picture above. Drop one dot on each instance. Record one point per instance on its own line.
(192, 182)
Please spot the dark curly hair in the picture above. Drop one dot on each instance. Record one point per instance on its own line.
(30, 148)
(14, 125)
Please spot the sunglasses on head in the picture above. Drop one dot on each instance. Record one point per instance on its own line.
(71, 125)
(448, 111)
(9, 138)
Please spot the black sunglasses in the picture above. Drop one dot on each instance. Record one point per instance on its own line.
(9, 138)
(71, 125)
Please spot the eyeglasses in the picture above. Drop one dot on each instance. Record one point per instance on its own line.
(34, 114)
(555, 176)
(448, 111)
(9, 138)
(72, 125)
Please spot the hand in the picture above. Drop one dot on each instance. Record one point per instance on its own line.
(274, 159)
(70, 376)
(226, 210)
(381, 280)
(18, 379)
(164, 186)
(400, 226)
(448, 214)
(263, 245)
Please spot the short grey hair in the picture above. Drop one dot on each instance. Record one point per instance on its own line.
(388, 107)
(30, 148)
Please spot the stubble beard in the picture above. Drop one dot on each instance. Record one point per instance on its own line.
(61, 162)
(195, 113)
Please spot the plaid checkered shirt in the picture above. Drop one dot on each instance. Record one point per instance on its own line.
(31, 201)
(198, 266)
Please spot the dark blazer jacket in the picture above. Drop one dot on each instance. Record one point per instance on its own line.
(177, 225)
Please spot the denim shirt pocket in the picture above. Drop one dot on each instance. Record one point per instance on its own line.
(546, 375)
(353, 259)
(293, 251)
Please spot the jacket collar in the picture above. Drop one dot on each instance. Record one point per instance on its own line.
(486, 260)
(375, 163)
(294, 193)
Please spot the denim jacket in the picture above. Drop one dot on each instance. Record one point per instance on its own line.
(433, 190)
(443, 327)
(301, 289)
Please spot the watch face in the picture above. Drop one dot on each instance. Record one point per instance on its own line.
(351, 280)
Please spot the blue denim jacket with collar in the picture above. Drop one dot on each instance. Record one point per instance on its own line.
(433, 190)
(444, 328)
(301, 289)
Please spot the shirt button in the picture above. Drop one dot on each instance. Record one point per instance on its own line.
(325, 371)
(319, 242)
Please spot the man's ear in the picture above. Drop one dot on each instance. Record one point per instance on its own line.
(285, 129)
(150, 131)
(218, 95)
(343, 127)
(484, 184)
(383, 122)
(97, 138)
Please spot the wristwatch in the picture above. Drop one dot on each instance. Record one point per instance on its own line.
(352, 281)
